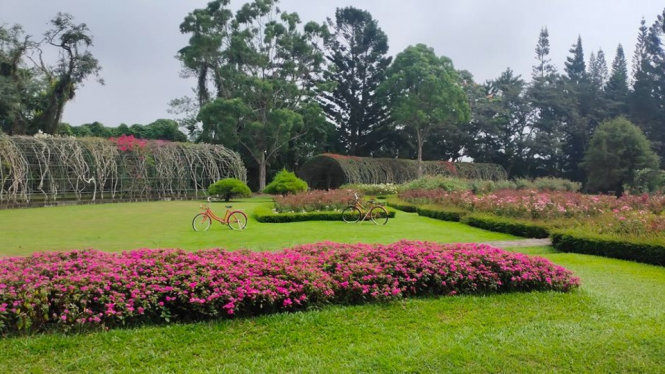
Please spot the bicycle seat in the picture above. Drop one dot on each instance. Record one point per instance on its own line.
(371, 201)
(229, 206)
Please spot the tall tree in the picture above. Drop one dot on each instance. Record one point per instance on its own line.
(550, 105)
(272, 75)
(423, 92)
(75, 63)
(645, 101)
(357, 54)
(544, 66)
(575, 67)
(33, 93)
(617, 85)
(18, 84)
(210, 30)
(598, 73)
(501, 123)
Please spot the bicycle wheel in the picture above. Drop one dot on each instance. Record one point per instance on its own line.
(237, 220)
(201, 222)
(379, 215)
(351, 214)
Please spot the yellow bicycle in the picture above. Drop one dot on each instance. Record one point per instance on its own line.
(355, 211)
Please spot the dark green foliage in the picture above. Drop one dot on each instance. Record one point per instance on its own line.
(617, 86)
(161, 129)
(647, 181)
(33, 91)
(625, 249)
(228, 188)
(507, 225)
(266, 66)
(266, 215)
(357, 51)
(401, 205)
(444, 214)
(500, 122)
(424, 91)
(575, 65)
(286, 182)
(617, 150)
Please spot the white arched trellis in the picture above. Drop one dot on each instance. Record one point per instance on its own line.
(46, 168)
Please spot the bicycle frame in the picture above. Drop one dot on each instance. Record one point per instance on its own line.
(208, 212)
(364, 213)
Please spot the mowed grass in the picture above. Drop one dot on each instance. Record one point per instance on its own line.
(615, 323)
(119, 227)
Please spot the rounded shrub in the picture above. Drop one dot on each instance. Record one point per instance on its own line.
(228, 188)
(285, 182)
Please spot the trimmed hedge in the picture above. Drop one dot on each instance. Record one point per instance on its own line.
(265, 214)
(507, 226)
(578, 242)
(444, 214)
(401, 205)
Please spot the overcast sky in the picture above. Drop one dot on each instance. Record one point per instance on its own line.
(136, 40)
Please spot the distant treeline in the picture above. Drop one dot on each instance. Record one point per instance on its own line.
(162, 129)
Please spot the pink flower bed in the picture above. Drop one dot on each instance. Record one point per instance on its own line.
(537, 205)
(317, 200)
(92, 288)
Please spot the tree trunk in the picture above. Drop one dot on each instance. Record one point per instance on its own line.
(263, 166)
(420, 154)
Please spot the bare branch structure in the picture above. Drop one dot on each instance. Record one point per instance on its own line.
(47, 169)
(328, 171)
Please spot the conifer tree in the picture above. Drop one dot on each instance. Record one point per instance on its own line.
(357, 52)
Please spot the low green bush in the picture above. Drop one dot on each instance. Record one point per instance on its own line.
(507, 226)
(228, 188)
(265, 214)
(444, 214)
(402, 205)
(285, 182)
(575, 241)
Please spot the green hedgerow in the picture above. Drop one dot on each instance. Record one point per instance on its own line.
(229, 187)
(285, 182)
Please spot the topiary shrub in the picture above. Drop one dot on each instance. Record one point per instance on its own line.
(228, 188)
(285, 182)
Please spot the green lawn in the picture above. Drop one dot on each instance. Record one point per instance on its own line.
(118, 227)
(614, 323)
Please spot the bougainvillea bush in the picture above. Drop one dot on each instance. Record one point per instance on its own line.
(97, 289)
(315, 201)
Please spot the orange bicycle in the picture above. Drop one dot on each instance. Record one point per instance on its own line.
(235, 219)
(377, 213)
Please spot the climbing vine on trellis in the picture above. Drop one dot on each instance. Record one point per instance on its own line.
(331, 170)
(49, 168)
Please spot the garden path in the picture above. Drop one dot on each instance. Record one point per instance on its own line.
(520, 243)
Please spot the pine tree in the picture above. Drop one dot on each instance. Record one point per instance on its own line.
(357, 54)
(575, 65)
(544, 66)
(616, 88)
(643, 100)
(598, 70)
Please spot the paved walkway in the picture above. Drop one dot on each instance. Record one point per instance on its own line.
(520, 243)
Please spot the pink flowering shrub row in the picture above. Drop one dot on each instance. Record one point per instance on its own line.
(537, 205)
(314, 201)
(91, 288)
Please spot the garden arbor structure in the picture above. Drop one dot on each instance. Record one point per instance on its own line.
(44, 168)
(328, 171)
